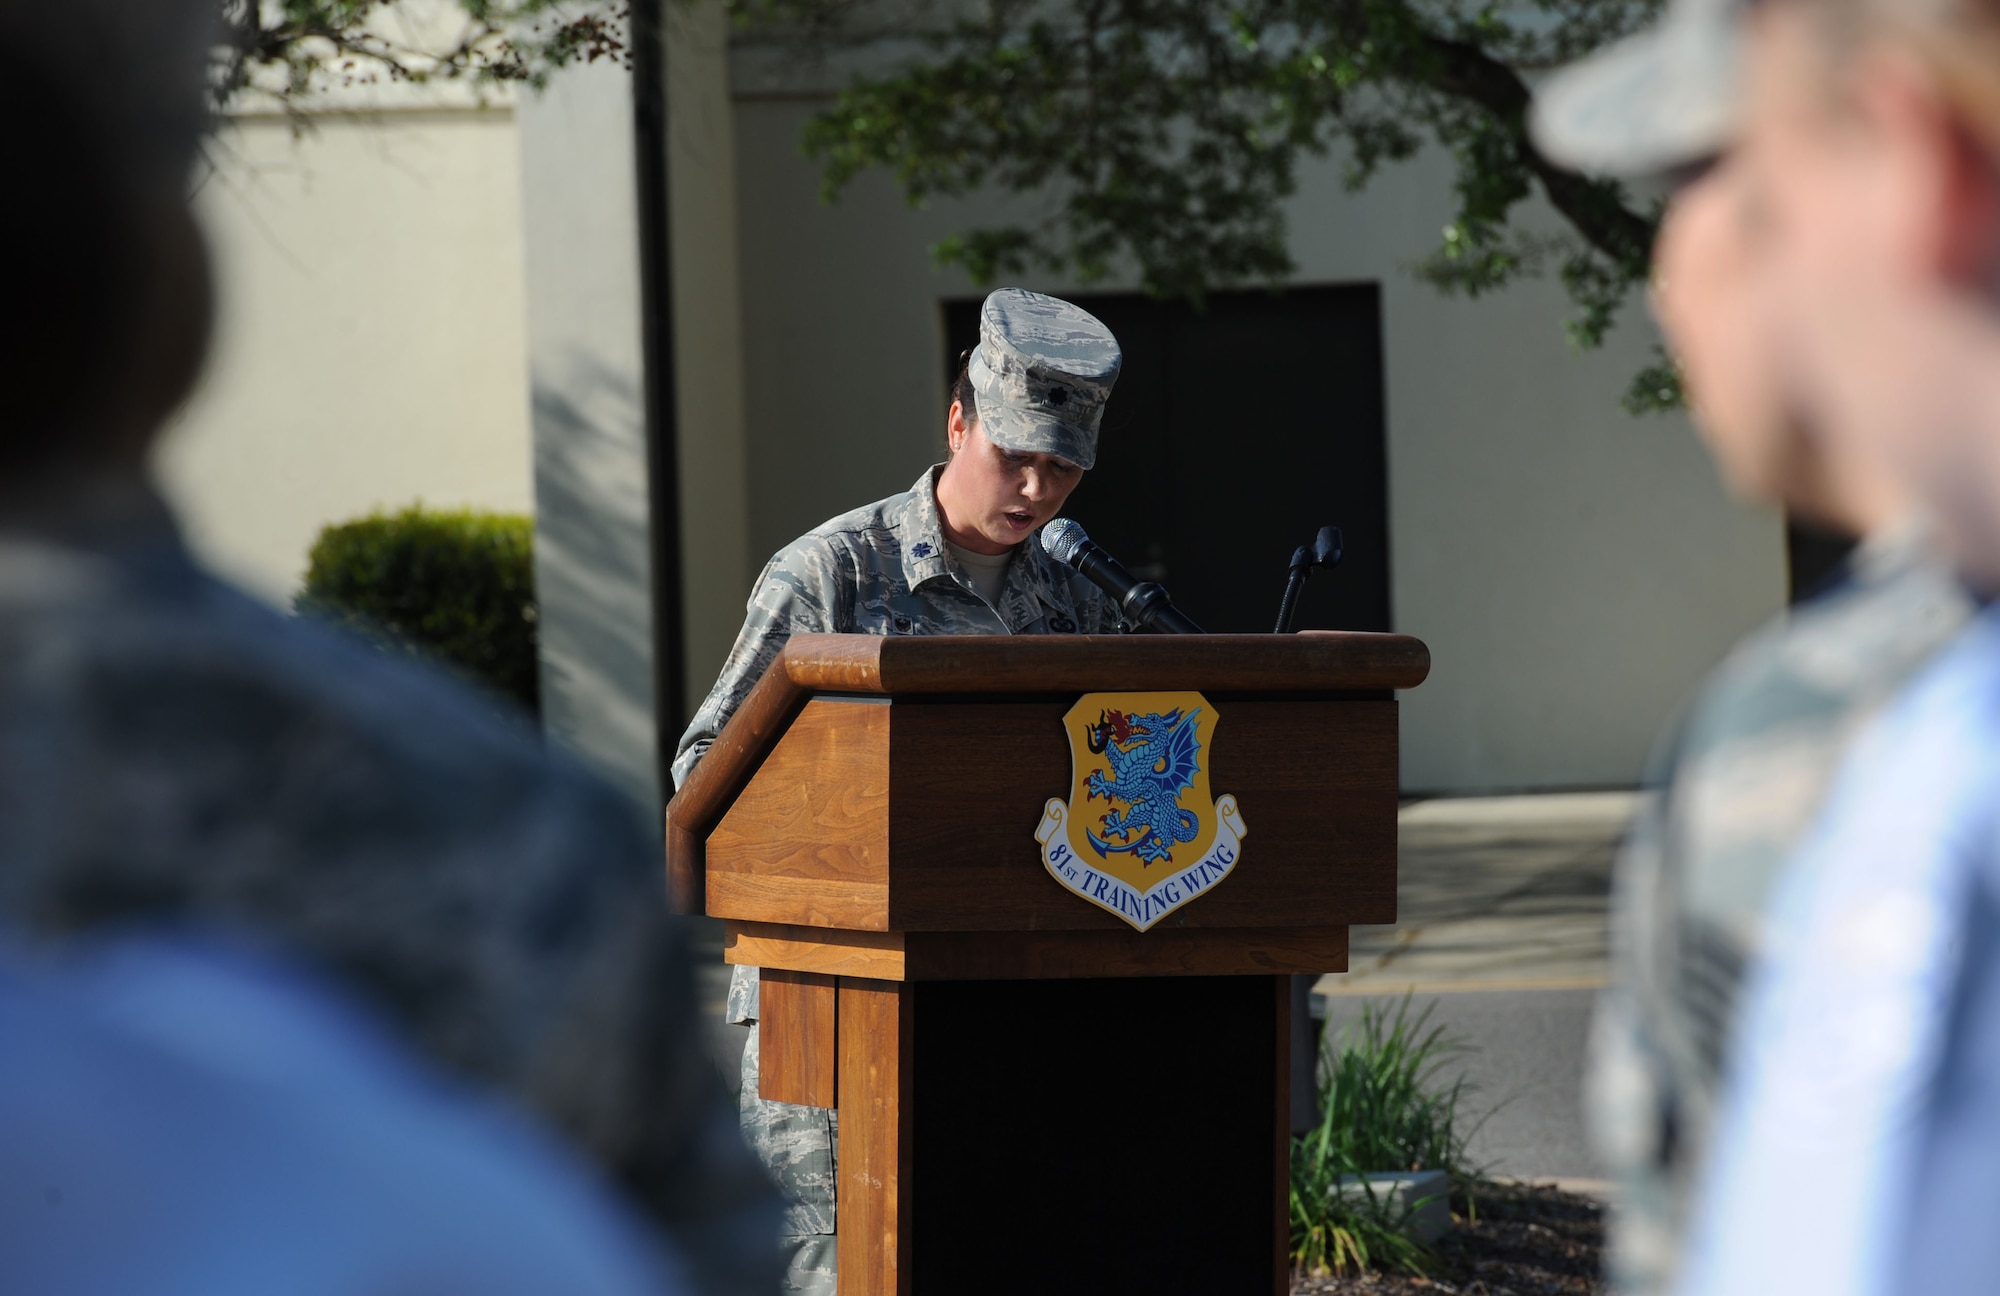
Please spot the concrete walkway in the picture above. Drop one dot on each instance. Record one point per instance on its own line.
(1503, 938)
(1495, 891)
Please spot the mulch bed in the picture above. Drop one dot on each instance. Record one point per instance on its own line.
(1530, 1240)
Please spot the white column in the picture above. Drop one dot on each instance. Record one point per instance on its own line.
(586, 368)
(717, 565)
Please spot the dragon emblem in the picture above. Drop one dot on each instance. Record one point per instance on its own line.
(1145, 754)
(1152, 761)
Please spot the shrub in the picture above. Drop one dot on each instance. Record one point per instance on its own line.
(1383, 1106)
(457, 587)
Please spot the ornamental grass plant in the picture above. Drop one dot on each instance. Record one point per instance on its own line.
(1386, 1105)
(456, 587)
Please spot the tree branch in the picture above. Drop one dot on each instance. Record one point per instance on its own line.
(1590, 206)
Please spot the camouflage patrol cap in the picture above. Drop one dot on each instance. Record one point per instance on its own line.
(1661, 99)
(1041, 374)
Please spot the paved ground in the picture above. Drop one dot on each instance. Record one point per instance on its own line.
(1503, 937)
(1524, 1067)
(1495, 890)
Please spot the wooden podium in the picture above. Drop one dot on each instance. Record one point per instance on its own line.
(1033, 1096)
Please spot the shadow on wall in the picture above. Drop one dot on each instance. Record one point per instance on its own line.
(593, 573)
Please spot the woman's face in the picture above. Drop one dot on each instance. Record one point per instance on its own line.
(992, 499)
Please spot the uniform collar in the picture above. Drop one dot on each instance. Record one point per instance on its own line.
(88, 537)
(1033, 582)
(1894, 549)
(99, 511)
(921, 530)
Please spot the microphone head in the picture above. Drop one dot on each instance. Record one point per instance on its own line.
(1063, 539)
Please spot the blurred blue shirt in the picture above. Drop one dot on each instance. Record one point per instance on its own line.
(183, 1117)
(1859, 1147)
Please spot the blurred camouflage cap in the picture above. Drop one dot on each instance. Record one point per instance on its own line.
(1654, 101)
(1041, 374)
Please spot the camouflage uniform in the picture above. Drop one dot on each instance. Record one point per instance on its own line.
(172, 751)
(1739, 783)
(879, 570)
(1041, 375)
(884, 570)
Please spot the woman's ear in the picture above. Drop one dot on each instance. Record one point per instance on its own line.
(1970, 212)
(955, 427)
(1942, 188)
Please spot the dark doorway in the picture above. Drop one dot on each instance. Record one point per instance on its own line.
(1235, 432)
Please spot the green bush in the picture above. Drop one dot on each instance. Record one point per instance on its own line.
(458, 587)
(1383, 1106)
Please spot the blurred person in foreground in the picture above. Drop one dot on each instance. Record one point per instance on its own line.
(171, 750)
(189, 1116)
(1858, 1148)
(1739, 778)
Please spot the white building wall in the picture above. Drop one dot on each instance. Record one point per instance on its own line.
(717, 564)
(371, 351)
(1573, 569)
(587, 400)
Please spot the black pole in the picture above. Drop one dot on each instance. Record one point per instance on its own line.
(656, 310)
(1295, 584)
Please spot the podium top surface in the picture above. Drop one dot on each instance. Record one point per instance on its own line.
(1316, 661)
(995, 666)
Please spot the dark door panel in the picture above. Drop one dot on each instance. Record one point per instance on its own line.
(1234, 433)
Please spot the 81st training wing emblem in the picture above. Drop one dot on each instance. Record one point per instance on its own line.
(1140, 834)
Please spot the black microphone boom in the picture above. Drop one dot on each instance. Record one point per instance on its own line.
(1324, 551)
(1143, 602)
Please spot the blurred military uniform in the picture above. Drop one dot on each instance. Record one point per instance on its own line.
(1041, 375)
(1739, 782)
(173, 753)
(1736, 788)
(171, 750)
(207, 1119)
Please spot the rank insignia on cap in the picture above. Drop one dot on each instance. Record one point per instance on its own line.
(1041, 374)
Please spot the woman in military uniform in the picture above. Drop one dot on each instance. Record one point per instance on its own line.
(954, 554)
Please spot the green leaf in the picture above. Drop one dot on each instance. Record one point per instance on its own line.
(1385, 1104)
(1166, 135)
(1656, 389)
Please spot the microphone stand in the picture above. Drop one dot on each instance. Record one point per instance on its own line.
(1144, 603)
(1148, 605)
(1324, 551)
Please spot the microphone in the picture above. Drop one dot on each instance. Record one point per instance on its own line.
(1145, 602)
